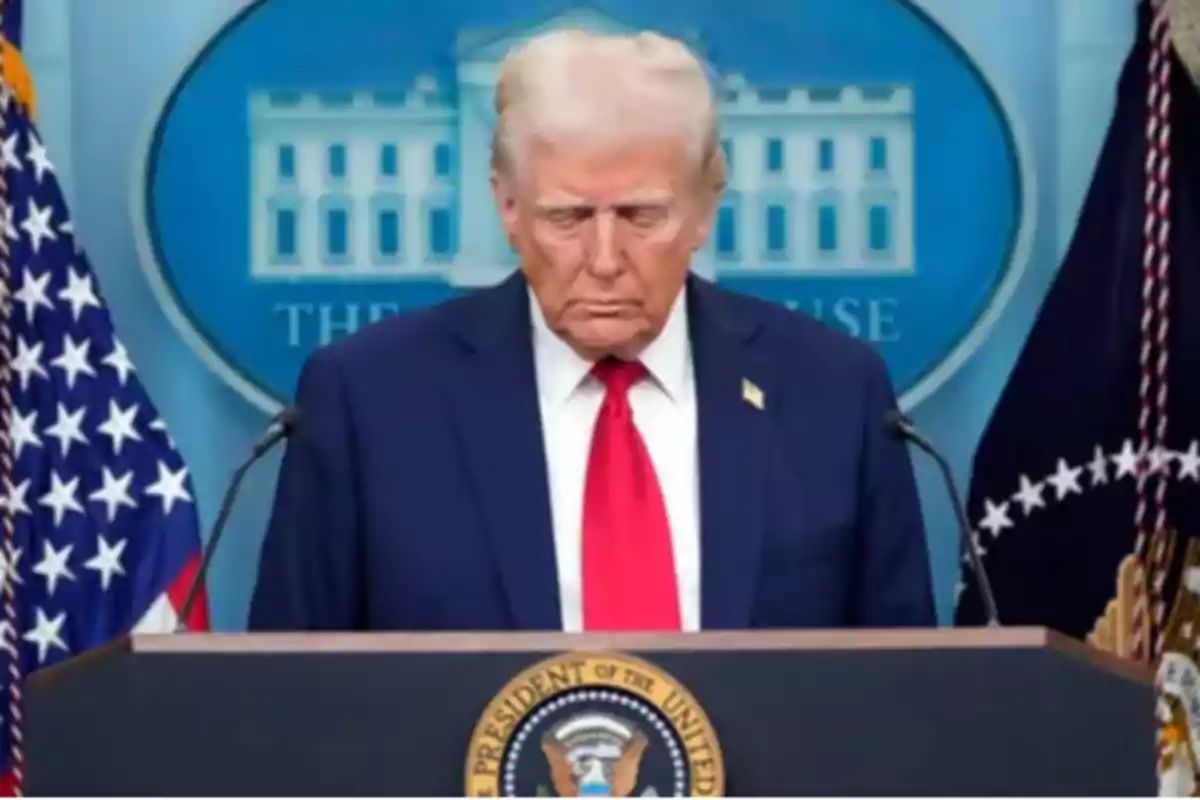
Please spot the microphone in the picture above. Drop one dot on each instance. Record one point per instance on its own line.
(901, 428)
(282, 425)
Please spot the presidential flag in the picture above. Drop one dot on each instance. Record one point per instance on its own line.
(1085, 490)
(99, 525)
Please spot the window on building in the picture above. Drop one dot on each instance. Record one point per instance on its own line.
(389, 162)
(337, 233)
(825, 155)
(441, 240)
(879, 228)
(337, 160)
(388, 98)
(285, 99)
(777, 225)
(388, 232)
(774, 155)
(285, 233)
(827, 228)
(337, 99)
(727, 238)
(441, 160)
(878, 154)
(286, 161)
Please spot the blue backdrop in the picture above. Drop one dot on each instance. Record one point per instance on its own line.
(103, 70)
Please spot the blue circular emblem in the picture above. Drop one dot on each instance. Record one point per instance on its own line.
(595, 742)
(318, 166)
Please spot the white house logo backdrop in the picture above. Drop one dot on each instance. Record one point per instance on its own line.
(318, 166)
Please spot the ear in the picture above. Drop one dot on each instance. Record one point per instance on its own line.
(504, 191)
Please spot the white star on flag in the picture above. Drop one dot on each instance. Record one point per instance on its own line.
(38, 158)
(118, 359)
(114, 493)
(74, 360)
(37, 225)
(169, 487)
(1030, 495)
(53, 566)
(79, 293)
(995, 517)
(1189, 462)
(1126, 460)
(47, 633)
(1065, 480)
(32, 294)
(107, 561)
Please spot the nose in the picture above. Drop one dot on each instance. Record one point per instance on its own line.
(604, 256)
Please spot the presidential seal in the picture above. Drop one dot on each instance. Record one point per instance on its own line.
(598, 725)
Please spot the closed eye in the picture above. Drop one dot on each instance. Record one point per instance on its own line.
(644, 216)
(566, 217)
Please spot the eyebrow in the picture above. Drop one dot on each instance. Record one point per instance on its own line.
(650, 197)
(557, 202)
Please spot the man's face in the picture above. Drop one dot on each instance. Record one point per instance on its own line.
(605, 238)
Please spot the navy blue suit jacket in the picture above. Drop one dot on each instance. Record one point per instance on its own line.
(414, 494)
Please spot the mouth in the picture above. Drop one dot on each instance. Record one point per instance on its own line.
(606, 308)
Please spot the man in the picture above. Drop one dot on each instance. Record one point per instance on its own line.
(603, 441)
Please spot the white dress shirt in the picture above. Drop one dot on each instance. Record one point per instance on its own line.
(664, 411)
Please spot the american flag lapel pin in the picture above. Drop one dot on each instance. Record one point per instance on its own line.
(752, 394)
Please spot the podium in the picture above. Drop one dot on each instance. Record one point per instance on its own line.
(1010, 711)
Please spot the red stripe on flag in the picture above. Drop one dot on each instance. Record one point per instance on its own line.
(177, 593)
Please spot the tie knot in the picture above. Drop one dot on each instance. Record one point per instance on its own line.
(617, 376)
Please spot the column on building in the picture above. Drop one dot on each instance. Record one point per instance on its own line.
(338, 221)
(421, 205)
(884, 180)
(279, 229)
(283, 185)
(828, 220)
(737, 236)
(483, 246)
(387, 231)
(777, 194)
(882, 206)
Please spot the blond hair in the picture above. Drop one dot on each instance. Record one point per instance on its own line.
(572, 85)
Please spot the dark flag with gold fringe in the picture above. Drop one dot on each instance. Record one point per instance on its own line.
(1085, 489)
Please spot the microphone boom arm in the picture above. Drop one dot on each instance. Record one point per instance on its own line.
(899, 426)
(282, 426)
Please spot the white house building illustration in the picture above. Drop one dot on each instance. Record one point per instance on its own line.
(392, 183)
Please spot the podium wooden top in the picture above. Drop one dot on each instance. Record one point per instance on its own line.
(552, 642)
(549, 642)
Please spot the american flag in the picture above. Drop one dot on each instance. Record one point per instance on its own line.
(100, 530)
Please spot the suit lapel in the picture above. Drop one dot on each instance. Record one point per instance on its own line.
(732, 382)
(494, 394)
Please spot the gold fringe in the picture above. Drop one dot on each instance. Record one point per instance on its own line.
(17, 76)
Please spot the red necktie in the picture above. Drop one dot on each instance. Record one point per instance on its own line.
(628, 568)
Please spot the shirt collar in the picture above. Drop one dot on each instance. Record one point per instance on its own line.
(560, 370)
